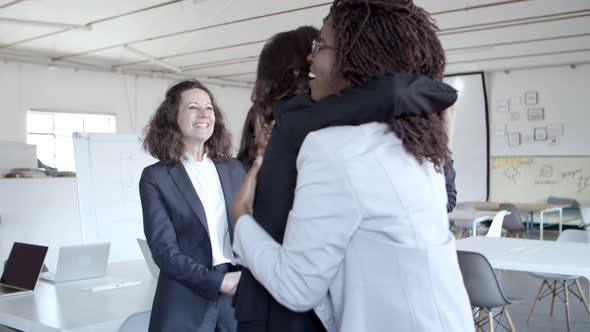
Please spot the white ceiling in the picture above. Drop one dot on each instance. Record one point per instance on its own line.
(219, 40)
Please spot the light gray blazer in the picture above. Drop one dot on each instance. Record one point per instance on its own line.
(367, 243)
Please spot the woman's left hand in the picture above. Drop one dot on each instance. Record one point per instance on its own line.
(244, 201)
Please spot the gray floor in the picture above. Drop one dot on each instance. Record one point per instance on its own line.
(522, 285)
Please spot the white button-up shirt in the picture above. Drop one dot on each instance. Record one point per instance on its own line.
(203, 175)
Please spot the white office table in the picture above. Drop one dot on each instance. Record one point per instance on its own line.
(532, 255)
(474, 216)
(68, 307)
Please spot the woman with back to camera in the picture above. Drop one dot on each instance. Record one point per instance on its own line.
(367, 243)
(185, 199)
(280, 91)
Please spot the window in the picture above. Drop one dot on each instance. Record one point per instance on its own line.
(52, 133)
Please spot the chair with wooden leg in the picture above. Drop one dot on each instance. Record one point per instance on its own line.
(558, 285)
(484, 291)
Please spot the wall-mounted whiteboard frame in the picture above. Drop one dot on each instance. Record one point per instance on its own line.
(470, 144)
(108, 168)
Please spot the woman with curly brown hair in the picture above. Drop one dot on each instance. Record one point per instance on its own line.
(367, 243)
(185, 199)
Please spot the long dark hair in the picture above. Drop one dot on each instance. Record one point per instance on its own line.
(163, 138)
(377, 36)
(247, 150)
(283, 71)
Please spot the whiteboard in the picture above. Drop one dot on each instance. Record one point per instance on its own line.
(470, 141)
(108, 169)
(534, 179)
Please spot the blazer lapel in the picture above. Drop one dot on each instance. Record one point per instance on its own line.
(184, 183)
(226, 186)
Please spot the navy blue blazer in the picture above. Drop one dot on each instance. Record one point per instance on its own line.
(176, 231)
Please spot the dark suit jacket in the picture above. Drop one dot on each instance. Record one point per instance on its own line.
(450, 174)
(379, 99)
(176, 231)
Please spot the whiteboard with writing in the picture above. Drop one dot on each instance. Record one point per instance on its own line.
(534, 179)
(108, 169)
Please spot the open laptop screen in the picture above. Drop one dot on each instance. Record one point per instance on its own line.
(24, 265)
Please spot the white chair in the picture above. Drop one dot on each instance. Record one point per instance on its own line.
(137, 322)
(557, 284)
(495, 229)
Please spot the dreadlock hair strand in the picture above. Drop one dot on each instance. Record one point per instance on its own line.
(378, 36)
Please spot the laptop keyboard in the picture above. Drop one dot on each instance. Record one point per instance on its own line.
(8, 290)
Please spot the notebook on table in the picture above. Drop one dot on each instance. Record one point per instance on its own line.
(77, 262)
(22, 269)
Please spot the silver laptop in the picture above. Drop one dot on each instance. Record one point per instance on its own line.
(77, 262)
(22, 269)
(147, 254)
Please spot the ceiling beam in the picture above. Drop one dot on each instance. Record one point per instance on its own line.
(10, 4)
(91, 23)
(221, 63)
(194, 30)
(509, 57)
(44, 61)
(150, 58)
(515, 22)
(476, 48)
(195, 52)
(265, 16)
(44, 24)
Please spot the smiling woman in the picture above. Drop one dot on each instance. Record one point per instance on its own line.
(170, 133)
(194, 180)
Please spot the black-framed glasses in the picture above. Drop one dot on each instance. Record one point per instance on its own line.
(317, 45)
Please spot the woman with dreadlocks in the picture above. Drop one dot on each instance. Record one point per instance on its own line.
(367, 243)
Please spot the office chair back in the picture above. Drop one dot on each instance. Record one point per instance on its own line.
(513, 221)
(137, 322)
(496, 226)
(480, 281)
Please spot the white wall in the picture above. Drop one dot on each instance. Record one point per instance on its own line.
(39, 211)
(132, 99)
(562, 93)
(234, 103)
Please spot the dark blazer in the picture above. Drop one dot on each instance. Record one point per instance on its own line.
(450, 174)
(380, 99)
(176, 231)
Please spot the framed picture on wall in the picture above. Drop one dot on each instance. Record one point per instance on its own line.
(541, 134)
(513, 139)
(531, 98)
(502, 105)
(536, 114)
